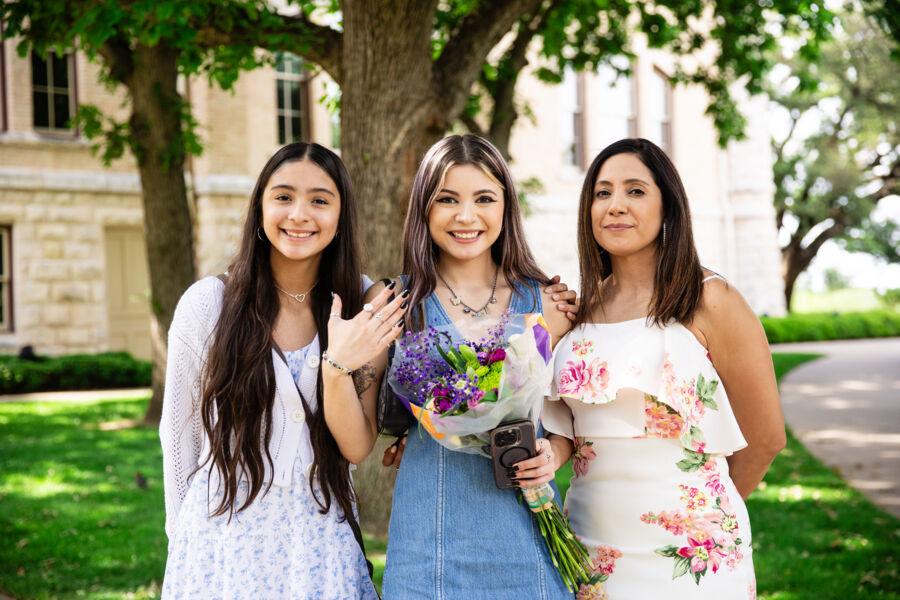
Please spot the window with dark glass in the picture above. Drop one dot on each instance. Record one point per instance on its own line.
(53, 100)
(292, 90)
(5, 279)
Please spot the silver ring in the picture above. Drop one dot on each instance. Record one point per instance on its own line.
(368, 307)
(378, 316)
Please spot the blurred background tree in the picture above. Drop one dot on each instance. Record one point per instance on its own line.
(841, 155)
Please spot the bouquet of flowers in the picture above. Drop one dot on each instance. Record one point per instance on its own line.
(460, 391)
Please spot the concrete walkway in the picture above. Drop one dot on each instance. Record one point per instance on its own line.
(845, 407)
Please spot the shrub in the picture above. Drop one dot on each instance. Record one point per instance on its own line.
(890, 298)
(838, 326)
(73, 372)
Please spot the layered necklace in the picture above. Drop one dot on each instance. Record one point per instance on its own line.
(457, 301)
(298, 297)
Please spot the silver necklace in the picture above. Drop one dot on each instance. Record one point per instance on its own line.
(455, 300)
(298, 297)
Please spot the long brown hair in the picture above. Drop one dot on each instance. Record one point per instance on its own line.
(510, 251)
(238, 383)
(678, 281)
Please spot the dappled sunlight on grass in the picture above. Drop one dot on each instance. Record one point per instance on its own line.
(75, 523)
(796, 493)
(816, 537)
(69, 493)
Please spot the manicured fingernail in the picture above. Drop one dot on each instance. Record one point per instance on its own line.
(405, 293)
(405, 304)
(393, 449)
(400, 323)
(332, 295)
(392, 285)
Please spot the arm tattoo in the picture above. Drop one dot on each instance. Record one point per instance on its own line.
(363, 378)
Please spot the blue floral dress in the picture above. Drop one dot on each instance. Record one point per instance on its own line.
(281, 546)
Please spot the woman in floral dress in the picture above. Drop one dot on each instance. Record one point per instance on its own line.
(664, 395)
(270, 397)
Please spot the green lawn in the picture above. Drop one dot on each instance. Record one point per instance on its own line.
(845, 300)
(75, 523)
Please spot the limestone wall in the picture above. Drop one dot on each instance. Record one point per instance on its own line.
(59, 255)
(59, 286)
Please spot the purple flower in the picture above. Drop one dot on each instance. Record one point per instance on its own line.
(443, 404)
(475, 398)
(496, 356)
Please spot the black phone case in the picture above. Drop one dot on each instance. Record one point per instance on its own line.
(506, 456)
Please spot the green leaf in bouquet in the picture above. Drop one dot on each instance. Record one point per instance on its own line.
(453, 359)
(490, 396)
(468, 354)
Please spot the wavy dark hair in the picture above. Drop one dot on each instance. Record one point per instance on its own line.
(510, 251)
(678, 281)
(238, 390)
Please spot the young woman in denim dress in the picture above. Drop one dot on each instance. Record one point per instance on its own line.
(453, 533)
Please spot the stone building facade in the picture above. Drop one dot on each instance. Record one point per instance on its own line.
(73, 269)
(730, 189)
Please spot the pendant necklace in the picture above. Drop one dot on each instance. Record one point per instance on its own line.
(455, 300)
(298, 297)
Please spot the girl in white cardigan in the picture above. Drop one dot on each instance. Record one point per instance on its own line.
(257, 439)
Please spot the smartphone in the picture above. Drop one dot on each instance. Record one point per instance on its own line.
(510, 443)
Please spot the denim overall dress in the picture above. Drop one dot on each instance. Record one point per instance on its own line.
(453, 534)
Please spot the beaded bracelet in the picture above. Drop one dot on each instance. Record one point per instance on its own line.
(337, 366)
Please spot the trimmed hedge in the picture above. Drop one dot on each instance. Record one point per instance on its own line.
(73, 372)
(827, 326)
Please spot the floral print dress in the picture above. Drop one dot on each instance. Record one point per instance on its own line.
(651, 496)
(281, 546)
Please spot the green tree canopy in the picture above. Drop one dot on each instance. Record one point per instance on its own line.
(830, 180)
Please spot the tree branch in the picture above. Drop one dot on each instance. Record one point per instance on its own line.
(515, 60)
(469, 44)
(472, 125)
(287, 33)
(119, 58)
(808, 253)
(779, 147)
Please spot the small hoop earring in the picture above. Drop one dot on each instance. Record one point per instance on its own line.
(259, 235)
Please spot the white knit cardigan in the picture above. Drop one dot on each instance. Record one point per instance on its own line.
(184, 442)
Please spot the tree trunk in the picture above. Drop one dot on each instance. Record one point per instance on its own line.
(158, 139)
(504, 116)
(389, 116)
(791, 269)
